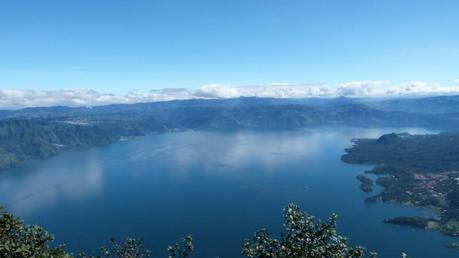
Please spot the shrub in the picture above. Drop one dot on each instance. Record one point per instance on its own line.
(302, 237)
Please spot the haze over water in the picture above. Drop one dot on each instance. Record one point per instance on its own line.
(220, 187)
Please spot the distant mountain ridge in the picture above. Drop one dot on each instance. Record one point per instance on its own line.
(429, 105)
(44, 131)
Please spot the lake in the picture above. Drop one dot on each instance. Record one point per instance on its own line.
(218, 186)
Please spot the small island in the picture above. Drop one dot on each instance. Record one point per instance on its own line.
(417, 170)
(426, 223)
(366, 184)
(454, 246)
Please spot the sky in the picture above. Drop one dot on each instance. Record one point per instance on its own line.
(120, 47)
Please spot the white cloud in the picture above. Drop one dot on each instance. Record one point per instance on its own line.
(13, 99)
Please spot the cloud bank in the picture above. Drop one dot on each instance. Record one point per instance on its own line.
(14, 99)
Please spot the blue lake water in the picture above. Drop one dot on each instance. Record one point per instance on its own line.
(220, 187)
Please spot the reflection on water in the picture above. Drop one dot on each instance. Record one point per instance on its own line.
(218, 186)
(35, 187)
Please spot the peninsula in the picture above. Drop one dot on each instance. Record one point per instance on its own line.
(418, 170)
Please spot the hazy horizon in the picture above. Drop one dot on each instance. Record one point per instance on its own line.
(22, 98)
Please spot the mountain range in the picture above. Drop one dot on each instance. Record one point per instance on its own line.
(42, 132)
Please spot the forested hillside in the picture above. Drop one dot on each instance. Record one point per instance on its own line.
(43, 132)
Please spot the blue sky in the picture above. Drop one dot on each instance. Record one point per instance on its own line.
(119, 46)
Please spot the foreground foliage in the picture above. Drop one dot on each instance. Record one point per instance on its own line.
(18, 240)
(302, 237)
(30, 241)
